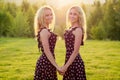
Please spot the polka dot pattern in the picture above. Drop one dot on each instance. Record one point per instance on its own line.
(44, 69)
(76, 70)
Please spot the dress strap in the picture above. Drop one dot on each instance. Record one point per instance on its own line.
(76, 28)
(41, 30)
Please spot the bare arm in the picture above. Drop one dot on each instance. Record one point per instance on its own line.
(78, 37)
(44, 39)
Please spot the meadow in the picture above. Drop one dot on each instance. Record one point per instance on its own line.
(18, 58)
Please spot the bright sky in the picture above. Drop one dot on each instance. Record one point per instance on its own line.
(58, 3)
(62, 3)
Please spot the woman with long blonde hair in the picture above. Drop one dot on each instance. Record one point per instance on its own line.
(46, 65)
(74, 68)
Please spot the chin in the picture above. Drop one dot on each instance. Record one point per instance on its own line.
(50, 22)
(72, 21)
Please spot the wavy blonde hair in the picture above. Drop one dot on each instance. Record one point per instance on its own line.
(82, 19)
(39, 19)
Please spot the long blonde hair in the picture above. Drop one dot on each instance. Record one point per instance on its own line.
(82, 19)
(39, 19)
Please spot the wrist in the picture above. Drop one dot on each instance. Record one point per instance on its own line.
(56, 66)
(66, 66)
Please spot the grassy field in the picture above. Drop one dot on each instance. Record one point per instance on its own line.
(18, 58)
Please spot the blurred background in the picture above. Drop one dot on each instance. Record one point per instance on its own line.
(18, 48)
(103, 17)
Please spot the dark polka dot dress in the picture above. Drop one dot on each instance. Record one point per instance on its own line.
(76, 70)
(44, 69)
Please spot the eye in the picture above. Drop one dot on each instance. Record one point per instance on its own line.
(51, 14)
(70, 13)
(47, 15)
(75, 14)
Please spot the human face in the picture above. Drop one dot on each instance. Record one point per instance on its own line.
(48, 16)
(73, 16)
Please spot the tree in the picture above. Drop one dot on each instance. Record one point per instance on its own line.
(94, 19)
(20, 26)
(5, 20)
(112, 19)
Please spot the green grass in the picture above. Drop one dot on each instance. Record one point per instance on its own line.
(18, 58)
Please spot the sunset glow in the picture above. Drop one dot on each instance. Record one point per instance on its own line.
(62, 3)
(57, 3)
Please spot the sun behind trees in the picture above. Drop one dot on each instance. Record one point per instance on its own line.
(102, 19)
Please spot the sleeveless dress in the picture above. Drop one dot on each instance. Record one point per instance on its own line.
(76, 70)
(44, 69)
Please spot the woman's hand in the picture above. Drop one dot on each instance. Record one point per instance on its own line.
(62, 70)
(59, 70)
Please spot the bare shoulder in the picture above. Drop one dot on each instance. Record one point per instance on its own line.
(78, 31)
(44, 33)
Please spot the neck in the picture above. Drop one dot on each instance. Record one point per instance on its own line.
(75, 24)
(47, 25)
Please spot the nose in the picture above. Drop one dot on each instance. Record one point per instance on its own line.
(71, 15)
(50, 17)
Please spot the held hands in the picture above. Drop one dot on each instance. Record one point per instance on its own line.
(62, 70)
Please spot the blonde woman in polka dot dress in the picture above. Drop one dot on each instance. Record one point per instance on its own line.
(46, 65)
(74, 68)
